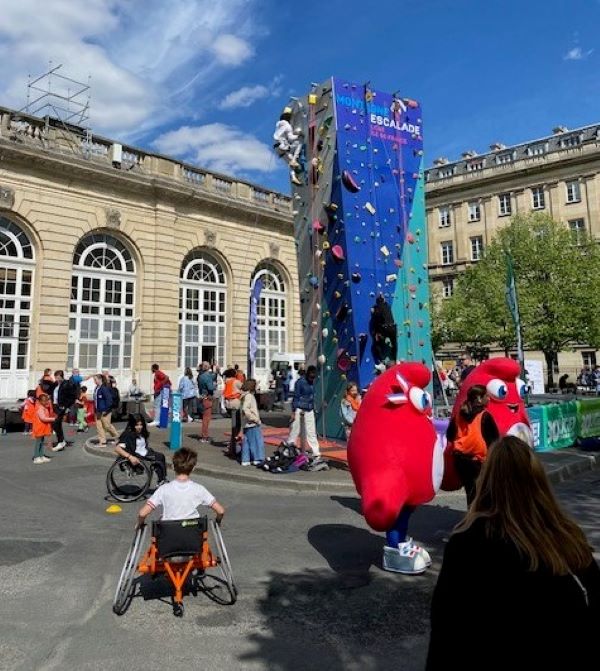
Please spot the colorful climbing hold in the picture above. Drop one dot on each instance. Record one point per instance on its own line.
(349, 182)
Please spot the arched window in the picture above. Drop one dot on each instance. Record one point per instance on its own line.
(202, 305)
(102, 305)
(17, 264)
(271, 322)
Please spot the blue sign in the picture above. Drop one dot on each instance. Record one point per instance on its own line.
(165, 395)
(176, 426)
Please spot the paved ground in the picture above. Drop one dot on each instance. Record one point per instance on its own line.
(312, 592)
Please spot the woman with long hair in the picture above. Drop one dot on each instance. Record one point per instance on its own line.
(519, 587)
(469, 435)
(134, 445)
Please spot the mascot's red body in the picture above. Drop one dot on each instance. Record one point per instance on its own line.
(507, 406)
(394, 453)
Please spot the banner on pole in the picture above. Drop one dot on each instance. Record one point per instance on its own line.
(253, 322)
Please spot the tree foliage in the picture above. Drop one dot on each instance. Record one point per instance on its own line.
(558, 282)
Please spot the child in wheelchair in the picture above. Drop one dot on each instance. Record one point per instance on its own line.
(133, 445)
(181, 498)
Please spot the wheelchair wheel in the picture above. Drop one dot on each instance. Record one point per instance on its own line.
(126, 482)
(125, 586)
(224, 564)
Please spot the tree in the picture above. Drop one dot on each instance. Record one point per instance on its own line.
(557, 279)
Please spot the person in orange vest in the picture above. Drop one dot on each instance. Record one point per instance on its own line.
(469, 435)
(46, 384)
(239, 374)
(232, 395)
(43, 420)
(28, 411)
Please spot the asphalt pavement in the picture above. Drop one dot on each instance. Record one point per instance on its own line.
(312, 594)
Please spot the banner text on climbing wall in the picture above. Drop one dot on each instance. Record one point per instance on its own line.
(379, 115)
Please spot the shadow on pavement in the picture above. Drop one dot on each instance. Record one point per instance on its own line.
(312, 622)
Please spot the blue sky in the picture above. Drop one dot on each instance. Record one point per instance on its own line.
(205, 80)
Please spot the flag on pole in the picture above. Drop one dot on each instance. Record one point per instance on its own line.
(512, 301)
(253, 326)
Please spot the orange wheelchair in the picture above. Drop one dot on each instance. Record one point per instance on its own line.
(181, 550)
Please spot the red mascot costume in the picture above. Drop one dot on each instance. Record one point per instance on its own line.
(506, 392)
(396, 460)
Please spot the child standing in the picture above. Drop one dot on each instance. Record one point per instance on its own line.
(81, 404)
(42, 428)
(253, 444)
(28, 410)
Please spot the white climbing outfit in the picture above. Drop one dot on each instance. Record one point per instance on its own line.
(287, 143)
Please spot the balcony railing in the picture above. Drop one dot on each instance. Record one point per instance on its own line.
(54, 136)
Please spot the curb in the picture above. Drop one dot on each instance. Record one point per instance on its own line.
(287, 483)
(585, 462)
(582, 462)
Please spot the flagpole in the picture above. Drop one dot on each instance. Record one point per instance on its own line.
(512, 300)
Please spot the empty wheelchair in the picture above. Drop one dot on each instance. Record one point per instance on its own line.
(126, 482)
(191, 553)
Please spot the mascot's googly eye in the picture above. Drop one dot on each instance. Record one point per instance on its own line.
(497, 389)
(521, 387)
(420, 399)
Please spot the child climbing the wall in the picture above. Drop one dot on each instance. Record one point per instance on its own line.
(288, 143)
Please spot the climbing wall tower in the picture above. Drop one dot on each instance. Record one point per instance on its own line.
(360, 229)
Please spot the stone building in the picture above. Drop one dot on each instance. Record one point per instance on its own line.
(468, 200)
(115, 258)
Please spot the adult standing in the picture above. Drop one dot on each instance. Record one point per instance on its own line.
(103, 402)
(161, 380)
(239, 373)
(469, 436)
(46, 384)
(232, 395)
(188, 391)
(76, 379)
(64, 396)
(349, 407)
(206, 391)
(517, 564)
(303, 409)
(467, 366)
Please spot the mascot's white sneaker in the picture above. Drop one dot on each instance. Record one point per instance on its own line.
(421, 550)
(403, 559)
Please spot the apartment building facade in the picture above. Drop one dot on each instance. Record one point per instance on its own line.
(470, 199)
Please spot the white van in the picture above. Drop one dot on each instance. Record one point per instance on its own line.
(281, 361)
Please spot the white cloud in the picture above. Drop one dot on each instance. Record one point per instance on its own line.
(248, 95)
(244, 97)
(231, 50)
(577, 54)
(218, 147)
(146, 58)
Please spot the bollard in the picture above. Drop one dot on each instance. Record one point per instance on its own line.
(176, 427)
(164, 407)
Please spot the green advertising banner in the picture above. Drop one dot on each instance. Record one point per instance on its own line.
(589, 418)
(538, 421)
(561, 424)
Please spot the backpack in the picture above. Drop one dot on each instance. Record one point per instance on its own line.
(282, 459)
(116, 398)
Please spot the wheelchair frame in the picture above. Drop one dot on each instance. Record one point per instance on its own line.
(177, 571)
(123, 463)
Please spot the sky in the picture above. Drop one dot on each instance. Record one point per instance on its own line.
(204, 81)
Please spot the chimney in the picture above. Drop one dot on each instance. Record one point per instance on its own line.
(559, 130)
(497, 146)
(442, 160)
(471, 153)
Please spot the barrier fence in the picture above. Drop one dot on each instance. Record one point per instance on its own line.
(559, 425)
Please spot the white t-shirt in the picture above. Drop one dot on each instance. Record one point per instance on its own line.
(180, 499)
(140, 446)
